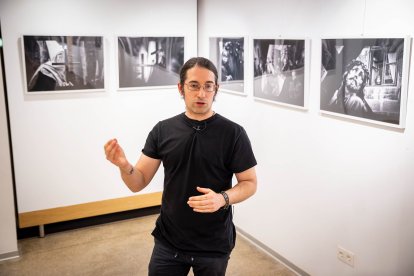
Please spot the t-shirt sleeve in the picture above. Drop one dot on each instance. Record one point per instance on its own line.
(243, 157)
(151, 145)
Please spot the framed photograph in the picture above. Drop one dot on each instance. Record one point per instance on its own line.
(279, 69)
(228, 55)
(149, 62)
(63, 63)
(365, 79)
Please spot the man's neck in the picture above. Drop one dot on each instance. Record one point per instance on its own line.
(349, 92)
(199, 117)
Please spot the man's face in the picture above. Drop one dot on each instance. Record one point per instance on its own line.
(198, 103)
(355, 78)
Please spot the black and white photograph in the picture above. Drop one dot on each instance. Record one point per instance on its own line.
(279, 70)
(63, 63)
(363, 78)
(228, 55)
(149, 61)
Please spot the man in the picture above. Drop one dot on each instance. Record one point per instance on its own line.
(349, 98)
(200, 151)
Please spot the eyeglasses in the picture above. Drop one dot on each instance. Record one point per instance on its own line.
(195, 86)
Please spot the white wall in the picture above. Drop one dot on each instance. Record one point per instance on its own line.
(58, 139)
(323, 181)
(8, 241)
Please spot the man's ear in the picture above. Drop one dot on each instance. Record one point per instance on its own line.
(215, 92)
(180, 89)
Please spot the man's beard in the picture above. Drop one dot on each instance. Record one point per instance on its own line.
(352, 85)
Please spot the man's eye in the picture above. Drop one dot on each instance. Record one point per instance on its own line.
(208, 86)
(194, 85)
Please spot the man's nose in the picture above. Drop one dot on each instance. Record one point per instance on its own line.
(201, 93)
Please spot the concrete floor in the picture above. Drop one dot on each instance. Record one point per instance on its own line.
(118, 248)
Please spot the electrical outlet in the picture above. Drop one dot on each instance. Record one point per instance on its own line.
(346, 256)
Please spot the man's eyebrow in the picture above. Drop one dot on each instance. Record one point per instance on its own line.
(198, 82)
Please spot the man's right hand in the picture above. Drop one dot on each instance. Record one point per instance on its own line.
(115, 154)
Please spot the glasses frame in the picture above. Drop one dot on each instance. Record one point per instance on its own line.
(202, 86)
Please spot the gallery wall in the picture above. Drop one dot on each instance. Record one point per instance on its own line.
(323, 181)
(58, 138)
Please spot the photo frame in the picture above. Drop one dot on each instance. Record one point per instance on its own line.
(228, 54)
(280, 71)
(55, 64)
(365, 79)
(149, 62)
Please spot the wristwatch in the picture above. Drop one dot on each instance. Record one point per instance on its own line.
(226, 198)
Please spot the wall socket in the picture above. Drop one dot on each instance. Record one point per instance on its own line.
(345, 255)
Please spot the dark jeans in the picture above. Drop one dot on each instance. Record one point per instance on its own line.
(165, 261)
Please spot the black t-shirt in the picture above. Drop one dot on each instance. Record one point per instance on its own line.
(197, 153)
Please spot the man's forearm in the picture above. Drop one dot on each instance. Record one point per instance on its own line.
(133, 179)
(245, 188)
(139, 176)
(241, 191)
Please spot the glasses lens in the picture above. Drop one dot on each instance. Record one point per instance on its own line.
(194, 86)
(209, 87)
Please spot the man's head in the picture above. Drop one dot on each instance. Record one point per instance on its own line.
(198, 85)
(200, 62)
(356, 76)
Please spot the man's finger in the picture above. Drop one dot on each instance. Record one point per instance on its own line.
(203, 190)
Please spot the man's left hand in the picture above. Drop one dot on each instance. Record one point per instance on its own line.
(208, 202)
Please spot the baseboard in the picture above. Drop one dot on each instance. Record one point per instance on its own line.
(90, 209)
(272, 253)
(9, 255)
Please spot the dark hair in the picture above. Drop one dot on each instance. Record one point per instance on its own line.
(197, 61)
